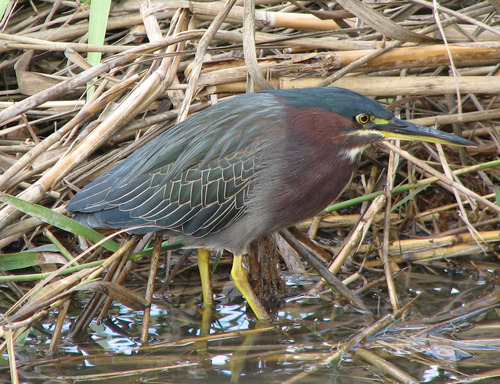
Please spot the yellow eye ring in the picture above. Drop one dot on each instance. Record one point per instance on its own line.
(363, 118)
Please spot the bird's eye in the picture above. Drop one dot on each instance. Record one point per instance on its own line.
(363, 118)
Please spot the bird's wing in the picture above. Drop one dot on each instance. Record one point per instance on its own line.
(195, 177)
(196, 202)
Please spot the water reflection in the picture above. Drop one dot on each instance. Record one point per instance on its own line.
(441, 338)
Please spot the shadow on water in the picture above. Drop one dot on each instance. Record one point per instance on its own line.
(449, 333)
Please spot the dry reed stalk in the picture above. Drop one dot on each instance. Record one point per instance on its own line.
(445, 181)
(9, 339)
(385, 366)
(383, 246)
(422, 249)
(102, 133)
(86, 76)
(397, 58)
(354, 240)
(199, 57)
(341, 221)
(155, 259)
(352, 343)
(249, 50)
(207, 11)
(292, 43)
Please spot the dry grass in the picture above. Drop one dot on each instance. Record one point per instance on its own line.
(163, 61)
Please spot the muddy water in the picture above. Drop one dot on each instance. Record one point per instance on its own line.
(450, 332)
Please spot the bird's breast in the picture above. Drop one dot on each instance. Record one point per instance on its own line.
(311, 170)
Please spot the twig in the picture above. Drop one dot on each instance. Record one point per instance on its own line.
(445, 180)
(198, 59)
(249, 46)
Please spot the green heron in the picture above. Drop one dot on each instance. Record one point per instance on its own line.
(244, 168)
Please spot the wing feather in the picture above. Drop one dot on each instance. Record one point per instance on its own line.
(194, 178)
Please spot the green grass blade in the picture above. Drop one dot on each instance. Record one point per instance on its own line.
(58, 220)
(98, 21)
(20, 260)
(3, 7)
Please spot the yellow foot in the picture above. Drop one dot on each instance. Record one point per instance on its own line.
(206, 285)
(241, 282)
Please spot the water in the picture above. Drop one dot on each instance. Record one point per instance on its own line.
(449, 332)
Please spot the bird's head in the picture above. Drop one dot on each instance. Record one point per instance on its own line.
(366, 121)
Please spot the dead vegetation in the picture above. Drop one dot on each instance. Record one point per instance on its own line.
(164, 60)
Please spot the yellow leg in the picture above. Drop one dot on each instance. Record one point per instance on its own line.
(203, 267)
(241, 282)
(201, 344)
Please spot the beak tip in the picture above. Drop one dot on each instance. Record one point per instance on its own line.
(414, 131)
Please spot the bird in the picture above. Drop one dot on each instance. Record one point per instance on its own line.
(244, 168)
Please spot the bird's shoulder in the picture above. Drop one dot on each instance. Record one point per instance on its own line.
(231, 128)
